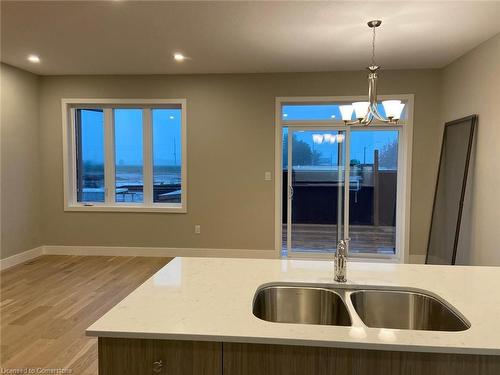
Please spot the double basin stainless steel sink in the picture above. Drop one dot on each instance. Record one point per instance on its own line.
(347, 306)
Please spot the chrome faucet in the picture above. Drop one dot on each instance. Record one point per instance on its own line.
(340, 261)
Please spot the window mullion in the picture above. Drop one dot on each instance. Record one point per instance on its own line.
(109, 164)
(147, 157)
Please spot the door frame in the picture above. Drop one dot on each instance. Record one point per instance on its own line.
(404, 169)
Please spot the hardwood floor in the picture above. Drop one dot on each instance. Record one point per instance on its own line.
(46, 305)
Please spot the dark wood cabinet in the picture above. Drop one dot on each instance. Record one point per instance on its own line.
(150, 357)
(251, 359)
(163, 357)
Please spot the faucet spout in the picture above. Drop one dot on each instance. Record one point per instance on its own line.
(340, 261)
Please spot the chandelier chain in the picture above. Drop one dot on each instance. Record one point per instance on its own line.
(373, 47)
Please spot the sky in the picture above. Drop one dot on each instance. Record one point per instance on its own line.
(128, 136)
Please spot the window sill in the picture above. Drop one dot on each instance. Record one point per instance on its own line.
(127, 208)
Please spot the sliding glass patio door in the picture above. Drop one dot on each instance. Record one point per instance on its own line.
(314, 171)
(341, 181)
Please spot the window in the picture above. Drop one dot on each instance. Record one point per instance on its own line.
(321, 112)
(167, 155)
(125, 155)
(90, 155)
(319, 202)
(129, 179)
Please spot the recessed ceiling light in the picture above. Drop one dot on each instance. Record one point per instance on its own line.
(33, 59)
(179, 57)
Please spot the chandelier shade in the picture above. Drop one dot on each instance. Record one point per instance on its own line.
(346, 112)
(361, 109)
(393, 108)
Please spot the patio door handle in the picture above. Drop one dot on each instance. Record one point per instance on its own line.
(290, 192)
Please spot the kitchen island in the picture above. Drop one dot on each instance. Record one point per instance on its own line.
(194, 316)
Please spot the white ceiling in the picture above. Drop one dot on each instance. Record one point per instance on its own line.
(128, 37)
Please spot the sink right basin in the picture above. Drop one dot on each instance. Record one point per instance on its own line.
(405, 310)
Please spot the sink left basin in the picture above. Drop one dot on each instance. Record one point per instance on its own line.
(305, 305)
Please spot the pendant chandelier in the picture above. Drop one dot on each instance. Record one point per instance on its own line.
(366, 112)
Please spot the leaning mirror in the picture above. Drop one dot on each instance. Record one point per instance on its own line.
(450, 191)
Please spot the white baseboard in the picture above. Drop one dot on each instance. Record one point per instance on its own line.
(417, 259)
(157, 252)
(14, 260)
(148, 252)
(133, 251)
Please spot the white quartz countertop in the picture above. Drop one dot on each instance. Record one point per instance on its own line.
(210, 299)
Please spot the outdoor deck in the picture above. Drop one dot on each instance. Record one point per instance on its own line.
(323, 238)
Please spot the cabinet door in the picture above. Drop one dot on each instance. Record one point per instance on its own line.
(159, 357)
(253, 359)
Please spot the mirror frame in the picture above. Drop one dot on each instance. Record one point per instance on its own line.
(472, 120)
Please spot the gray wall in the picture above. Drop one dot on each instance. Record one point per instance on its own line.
(230, 145)
(471, 85)
(20, 161)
